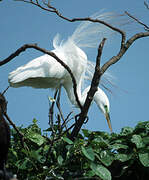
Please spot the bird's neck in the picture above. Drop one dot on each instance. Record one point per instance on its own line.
(70, 93)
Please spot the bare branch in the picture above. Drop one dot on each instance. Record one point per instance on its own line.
(3, 113)
(34, 46)
(93, 89)
(5, 90)
(52, 9)
(15, 127)
(67, 119)
(122, 51)
(138, 21)
(146, 5)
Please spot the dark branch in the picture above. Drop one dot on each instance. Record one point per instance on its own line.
(34, 46)
(52, 9)
(14, 126)
(92, 91)
(122, 51)
(138, 21)
(146, 5)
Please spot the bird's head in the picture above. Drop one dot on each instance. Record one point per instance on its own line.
(107, 115)
(102, 102)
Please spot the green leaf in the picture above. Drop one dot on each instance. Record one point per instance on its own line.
(60, 160)
(137, 140)
(23, 164)
(101, 171)
(89, 173)
(36, 138)
(88, 152)
(119, 146)
(147, 126)
(146, 140)
(123, 157)
(101, 142)
(86, 132)
(144, 159)
(67, 140)
(106, 158)
(142, 125)
(36, 156)
(126, 131)
(34, 121)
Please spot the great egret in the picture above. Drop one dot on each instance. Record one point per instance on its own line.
(46, 72)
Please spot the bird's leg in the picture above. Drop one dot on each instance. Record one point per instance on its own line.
(58, 97)
(51, 112)
(59, 115)
(59, 108)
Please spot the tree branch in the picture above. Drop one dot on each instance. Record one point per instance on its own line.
(34, 46)
(122, 51)
(93, 89)
(52, 9)
(138, 21)
(146, 5)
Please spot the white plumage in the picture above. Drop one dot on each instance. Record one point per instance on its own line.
(46, 72)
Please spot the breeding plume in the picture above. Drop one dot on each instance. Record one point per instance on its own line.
(46, 72)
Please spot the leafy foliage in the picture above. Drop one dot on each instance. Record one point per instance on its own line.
(93, 155)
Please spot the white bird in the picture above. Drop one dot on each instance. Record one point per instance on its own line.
(46, 72)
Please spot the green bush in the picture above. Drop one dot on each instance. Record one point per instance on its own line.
(93, 155)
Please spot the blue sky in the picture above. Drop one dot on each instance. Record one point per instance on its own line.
(23, 23)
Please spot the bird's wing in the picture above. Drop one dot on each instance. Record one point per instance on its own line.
(42, 72)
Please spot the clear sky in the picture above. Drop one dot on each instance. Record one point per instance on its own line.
(23, 23)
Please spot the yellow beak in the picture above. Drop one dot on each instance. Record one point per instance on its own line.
(108, 121)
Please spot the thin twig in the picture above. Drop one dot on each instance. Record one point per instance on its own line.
(146, 5)
(52, 9)
(123, 50)
(138, 21)
(17, 130)
(66, 120)
(13, 125)
(5, 90)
